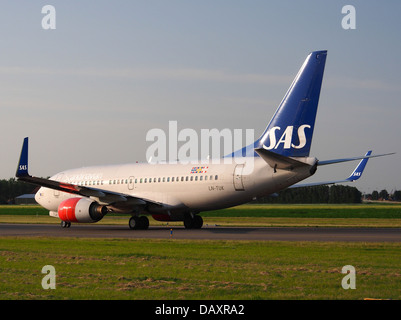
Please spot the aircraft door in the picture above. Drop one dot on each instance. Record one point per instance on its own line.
(238, 183)
(131, 183)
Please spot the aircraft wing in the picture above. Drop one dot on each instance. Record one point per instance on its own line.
(104, 196)
(355, 175)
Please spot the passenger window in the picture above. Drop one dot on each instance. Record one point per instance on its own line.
(182, 178)
(158, 180)
(164, 179)
(192, 178)
(201, 178)
(168, 179)
(186, 178)
(172, 179)
(146, 180)
(196, 178)
(205, 178)
(216, 177)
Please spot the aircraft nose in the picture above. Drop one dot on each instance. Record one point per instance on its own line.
(39, 196)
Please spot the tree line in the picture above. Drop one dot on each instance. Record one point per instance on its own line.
(12, 188)
(328, 194)
(316, 194)
(384, 195)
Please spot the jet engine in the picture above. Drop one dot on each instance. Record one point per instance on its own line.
(81, 210)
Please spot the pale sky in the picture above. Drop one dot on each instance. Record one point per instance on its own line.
(88, 92)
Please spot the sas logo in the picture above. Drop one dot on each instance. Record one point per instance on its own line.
(199, 169)
(270, 138)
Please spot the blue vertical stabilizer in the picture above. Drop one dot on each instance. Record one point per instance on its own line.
(290, 131)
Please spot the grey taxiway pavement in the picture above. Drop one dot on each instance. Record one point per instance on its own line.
(206, 233)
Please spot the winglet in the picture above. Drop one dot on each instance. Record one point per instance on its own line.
(22, 169)
(357, 173)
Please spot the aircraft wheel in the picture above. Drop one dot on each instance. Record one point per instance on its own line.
(138, 223)
(193, 223)
(188, 222)
(133, 223)
(65, 224)
(143, 222)
(198, 221)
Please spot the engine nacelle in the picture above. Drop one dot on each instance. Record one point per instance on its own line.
(81, 210)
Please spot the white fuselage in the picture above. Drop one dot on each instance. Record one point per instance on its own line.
(178, 187)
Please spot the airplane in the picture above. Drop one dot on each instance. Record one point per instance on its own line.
(279, 159)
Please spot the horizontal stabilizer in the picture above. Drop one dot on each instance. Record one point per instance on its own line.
(355, 175)
(333, 161)
(277, 161)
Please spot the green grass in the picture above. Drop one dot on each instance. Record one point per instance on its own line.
(251, 215)
(183, 269)
(377, 211)
(25, 210)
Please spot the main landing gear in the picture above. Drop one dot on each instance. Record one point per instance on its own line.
(193, 221)
(138, 223)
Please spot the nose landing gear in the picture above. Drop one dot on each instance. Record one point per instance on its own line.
(65, 224)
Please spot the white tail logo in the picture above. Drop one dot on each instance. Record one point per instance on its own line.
(286, 138)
